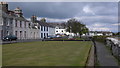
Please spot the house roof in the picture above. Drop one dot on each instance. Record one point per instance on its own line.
(44, 24)
(57, 25)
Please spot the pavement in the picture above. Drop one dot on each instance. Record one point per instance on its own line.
(19, 41)
(104, 56)
(91, 57)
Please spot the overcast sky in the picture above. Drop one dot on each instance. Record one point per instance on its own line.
(100, 16)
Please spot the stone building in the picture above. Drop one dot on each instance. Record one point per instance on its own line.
(14, 23)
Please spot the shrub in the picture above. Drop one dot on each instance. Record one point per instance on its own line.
(100, 38)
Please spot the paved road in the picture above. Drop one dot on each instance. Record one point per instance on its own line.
(18, 41)
(104, 56)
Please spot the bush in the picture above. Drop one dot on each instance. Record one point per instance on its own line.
(100, 38)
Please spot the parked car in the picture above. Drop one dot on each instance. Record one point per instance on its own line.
(51, 37)
(71, 37)
(9, 38)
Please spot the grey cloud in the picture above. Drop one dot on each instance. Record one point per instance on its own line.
(65, 10)
(52, 10)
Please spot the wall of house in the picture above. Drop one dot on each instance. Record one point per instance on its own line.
(1, 32)
(20, 31)
(1, 23)
(51, 31)
(60, 31)
(44, 32)
(33, 34)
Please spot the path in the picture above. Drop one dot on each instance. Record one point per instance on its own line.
(104, 56)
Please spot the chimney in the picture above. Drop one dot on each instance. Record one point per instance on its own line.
(4, 6)
(33, 18)
(43, 20)
(18, 12)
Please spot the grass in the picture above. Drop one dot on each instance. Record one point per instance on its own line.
(0, 55)
(47, 53)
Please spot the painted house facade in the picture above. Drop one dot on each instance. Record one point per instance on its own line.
(60, 29)
(45, 29)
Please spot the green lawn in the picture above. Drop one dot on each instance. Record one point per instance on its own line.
(0, 55)
(46, 53)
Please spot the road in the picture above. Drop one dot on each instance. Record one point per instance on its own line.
(18, 41)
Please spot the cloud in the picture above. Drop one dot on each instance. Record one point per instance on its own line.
(100, 29)
(116, 24)
(52, 19)
(96, 15)
(87, 9)
(98, 25)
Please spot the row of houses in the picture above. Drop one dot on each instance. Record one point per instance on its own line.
(100, 33)
(14, 23)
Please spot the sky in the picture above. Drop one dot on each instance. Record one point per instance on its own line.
(98, 16)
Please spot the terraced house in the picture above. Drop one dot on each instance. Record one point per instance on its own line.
(46, 29)
(14, 23)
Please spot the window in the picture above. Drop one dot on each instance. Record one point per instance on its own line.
(47, 28)
(47, 34)
(4, 21)
(34, 35)
(44, 35)
(25, 34)
(20, 23)
(15, 23)
(7, 32)
(1, 34)
(41, 35)
(41, 28)
(16, 33)
(11, 21)
(8, 23)
(31, 34)
(20, 34)
(25, 24)
(29, 25)
(44, 28)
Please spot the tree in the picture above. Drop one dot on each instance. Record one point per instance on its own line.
(74, 26)
(43, 20)
(83, 30)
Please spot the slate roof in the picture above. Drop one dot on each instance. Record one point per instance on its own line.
(57, 25)
(44, 24)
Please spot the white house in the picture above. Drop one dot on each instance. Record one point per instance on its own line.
(100, 33)
(45, 29)
(60, 29)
